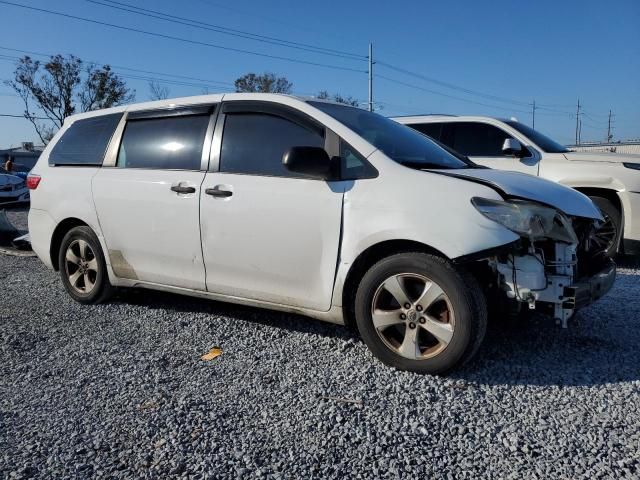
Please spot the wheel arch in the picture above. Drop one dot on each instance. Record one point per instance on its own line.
(608, 193)
(58, 234)
(369, 257)
(611, 195)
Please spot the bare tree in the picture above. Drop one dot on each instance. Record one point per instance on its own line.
(157, 91)
(63, 86)
(347, 100)
(266, 82)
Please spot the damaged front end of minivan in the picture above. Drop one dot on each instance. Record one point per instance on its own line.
(555, 268)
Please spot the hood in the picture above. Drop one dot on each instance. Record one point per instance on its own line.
(602, 157)
(528, 187)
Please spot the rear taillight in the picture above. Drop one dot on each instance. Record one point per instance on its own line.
(33, 181)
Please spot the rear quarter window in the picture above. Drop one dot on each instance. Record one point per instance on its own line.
(85, 141)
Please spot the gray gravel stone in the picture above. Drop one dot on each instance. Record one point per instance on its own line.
(119, 391)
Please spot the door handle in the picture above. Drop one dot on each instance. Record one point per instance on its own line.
(183, 189)
(214, 192)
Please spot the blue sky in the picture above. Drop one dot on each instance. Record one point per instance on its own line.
(552, 51)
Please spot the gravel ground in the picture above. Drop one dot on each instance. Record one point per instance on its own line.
(119, 391)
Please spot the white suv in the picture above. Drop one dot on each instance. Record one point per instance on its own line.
(611, 180)
(311, 207)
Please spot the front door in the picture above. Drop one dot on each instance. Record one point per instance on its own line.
(267, 234)
(148, 204)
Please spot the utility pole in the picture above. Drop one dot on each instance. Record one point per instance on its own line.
(370, 77)
(578, 123)
(533, 114)
(609, 128)
(580, 132)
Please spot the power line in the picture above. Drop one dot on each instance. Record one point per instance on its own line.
(592, 118)
(180, 39)
(305, 27)
(225, 30)
(172, 75)
(150, 78)
(435, 92)
(22, 116)
(538, 106)
(452, 86)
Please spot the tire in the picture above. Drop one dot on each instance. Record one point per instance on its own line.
(453, 307)
(83, 268)
(611, 231)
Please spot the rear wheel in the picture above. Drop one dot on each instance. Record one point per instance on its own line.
(417, 312)
(82, 266)
(607, 237)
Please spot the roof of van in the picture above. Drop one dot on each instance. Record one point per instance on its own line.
(193, 100)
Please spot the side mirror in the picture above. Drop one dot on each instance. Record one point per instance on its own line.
(511, 146)
(313, 162)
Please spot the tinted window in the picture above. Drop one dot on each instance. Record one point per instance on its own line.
(479, 139)
(170, 143)
(352, 165)
(430, 129)
(85, 141)
(255, 143)
(544, 142)
(398, 142)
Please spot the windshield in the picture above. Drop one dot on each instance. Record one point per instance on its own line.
(544, 142)
(400, 143)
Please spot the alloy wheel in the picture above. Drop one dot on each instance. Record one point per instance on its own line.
(606, 234)
(413, 316)
(81, 266)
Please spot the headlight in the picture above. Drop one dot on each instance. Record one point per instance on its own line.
(635, 166)
(528, 219)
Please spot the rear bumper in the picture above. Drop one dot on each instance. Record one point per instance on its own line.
(41, 227)
(590, 289)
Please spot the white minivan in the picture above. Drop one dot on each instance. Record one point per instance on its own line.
(313, 207)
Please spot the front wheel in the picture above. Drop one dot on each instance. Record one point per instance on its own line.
(608, 235)
(83, 267)
(417, 312)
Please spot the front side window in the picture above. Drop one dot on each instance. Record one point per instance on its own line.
(85, 141)
(352, 165)
(398, 142)
(478, 139)
(170, 143)
(254, 143)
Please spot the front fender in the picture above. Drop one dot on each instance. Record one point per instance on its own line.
(423, 207)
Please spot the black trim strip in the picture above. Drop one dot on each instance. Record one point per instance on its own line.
(276, 109)
(176, 111)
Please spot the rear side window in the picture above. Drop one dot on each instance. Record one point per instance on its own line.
(478, 139)
(254, 143)
(169, 143)
(430, 129)
(85, 141)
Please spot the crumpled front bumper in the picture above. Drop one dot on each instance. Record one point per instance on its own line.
(588, 290)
